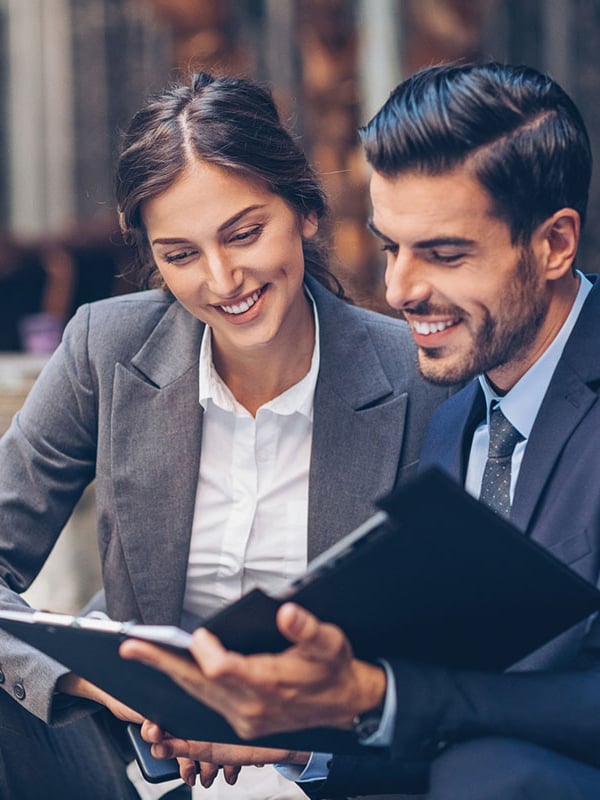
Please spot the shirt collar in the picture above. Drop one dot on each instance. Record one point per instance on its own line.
(521, 404)
(297, 399)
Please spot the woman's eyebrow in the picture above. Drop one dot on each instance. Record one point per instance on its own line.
(227, 224)
(238, 216)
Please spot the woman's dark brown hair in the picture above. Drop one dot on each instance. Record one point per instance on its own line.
(232, 123)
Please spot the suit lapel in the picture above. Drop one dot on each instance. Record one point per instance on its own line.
(569, 397)
(448, 441)
(357, 438)
(156, 433)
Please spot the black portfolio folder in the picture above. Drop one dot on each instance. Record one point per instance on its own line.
(434, 576)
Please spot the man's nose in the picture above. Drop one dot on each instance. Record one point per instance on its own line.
(405, 281)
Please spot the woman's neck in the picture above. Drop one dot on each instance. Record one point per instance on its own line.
(254, 378)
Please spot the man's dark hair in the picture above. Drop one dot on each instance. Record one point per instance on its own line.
(519, 131)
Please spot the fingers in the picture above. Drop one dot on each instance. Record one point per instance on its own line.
(180, 748)
(213, 661)
(80, 687)
(318, 641)
(180, 669)
(234, 755)
(208, 771)
(212, 658)
(153, 733)
(188, 770)
(152, 655)
(231, 773)
(124, 713)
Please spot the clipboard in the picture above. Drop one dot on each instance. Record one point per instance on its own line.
(433, 576)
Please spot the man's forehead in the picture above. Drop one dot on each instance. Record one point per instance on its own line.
(446, 200)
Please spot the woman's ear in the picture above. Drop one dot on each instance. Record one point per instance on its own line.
(310, 225)
(556, 241)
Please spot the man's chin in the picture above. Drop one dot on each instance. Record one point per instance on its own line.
(441, 371)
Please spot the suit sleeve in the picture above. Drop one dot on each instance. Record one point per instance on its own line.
(556, 710)
(438, 707)
(47, 457)
(374, 773)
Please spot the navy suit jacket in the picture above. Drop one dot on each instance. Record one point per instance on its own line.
(552, 697)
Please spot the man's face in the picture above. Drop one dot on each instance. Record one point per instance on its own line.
(475, 302)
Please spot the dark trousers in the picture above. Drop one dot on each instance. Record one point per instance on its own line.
(507, 769)
(81, 760)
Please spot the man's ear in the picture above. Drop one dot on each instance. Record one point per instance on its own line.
(555, 242)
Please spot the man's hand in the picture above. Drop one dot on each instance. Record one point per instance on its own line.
(315, 682)
(79, 687)
(211, 757)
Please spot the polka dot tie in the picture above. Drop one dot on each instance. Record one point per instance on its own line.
(495, 485)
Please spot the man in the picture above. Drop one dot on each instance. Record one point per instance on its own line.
(479, 192)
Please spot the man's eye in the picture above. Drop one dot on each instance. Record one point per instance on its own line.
(447, 258)
(390, 248)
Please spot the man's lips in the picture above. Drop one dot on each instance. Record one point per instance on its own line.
(243, 305)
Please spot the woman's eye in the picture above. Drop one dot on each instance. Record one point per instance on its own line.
(178, 258)
(246, 234)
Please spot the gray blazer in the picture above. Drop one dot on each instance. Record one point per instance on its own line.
(118, 402)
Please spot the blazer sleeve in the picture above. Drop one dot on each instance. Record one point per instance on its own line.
(47, 457)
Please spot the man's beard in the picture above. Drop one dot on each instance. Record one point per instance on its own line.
(499, 340)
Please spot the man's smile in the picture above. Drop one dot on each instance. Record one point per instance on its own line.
(424, 328)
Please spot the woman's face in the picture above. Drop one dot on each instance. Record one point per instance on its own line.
(231, 253)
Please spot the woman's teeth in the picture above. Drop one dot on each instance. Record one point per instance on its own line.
(247, 303)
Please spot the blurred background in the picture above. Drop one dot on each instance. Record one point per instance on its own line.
(72, 72)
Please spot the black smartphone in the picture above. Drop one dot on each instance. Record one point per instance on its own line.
(154, 770)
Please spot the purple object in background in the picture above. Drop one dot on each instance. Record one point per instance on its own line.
(40, 333)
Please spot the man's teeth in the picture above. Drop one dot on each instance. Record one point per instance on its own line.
(425, 328)
(247, 303)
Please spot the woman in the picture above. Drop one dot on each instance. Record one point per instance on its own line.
(238, 419)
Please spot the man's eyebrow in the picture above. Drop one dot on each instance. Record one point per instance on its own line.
(426, 244)
(441, 241)
(376, 232)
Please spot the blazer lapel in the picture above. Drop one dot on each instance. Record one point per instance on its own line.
(156, 431)
(357, 437)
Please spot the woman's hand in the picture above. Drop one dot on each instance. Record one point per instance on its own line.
(79, 687)
(211, 757)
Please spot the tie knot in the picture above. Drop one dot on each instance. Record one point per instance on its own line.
(503, 436)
